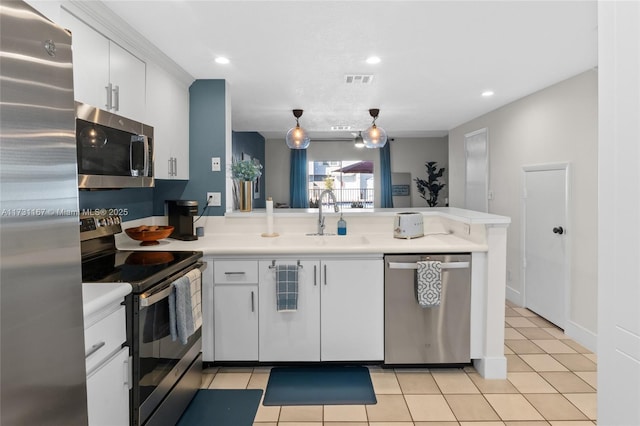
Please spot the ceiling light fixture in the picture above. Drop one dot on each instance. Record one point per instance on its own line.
(373, 60)
(374, 136)
(297, 137)
(358, 142)
(487, 93)
(222, 60)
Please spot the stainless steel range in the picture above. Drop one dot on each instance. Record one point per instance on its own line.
(166, 373)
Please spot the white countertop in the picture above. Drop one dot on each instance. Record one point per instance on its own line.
(255, 244)
(370, 232)
(97, 296)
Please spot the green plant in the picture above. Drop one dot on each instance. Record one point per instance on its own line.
(246, 170)
(431, 185)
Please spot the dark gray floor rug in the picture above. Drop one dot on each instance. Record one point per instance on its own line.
(331, 385)
(222, 407)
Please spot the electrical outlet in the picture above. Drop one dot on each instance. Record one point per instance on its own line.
(467, 228)
(214, 199)
(215, 164)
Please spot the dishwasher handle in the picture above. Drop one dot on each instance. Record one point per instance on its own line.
(443, 265)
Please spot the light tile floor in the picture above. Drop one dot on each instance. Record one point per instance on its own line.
(551, 380)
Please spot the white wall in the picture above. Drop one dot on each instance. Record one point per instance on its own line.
(556, 124)
(407, 155)
(619, 213)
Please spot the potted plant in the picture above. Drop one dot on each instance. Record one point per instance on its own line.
(430, 188)
(245, 172)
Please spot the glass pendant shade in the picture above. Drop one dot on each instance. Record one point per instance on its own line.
(358, 142)
(297, 137)
(374, 137)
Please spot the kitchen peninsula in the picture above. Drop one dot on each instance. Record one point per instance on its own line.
(236, 239)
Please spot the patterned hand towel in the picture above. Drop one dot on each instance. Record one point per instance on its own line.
(429, 283)
(287, 288)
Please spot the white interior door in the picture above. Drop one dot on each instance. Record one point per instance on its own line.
(476, 191)
(545, 241)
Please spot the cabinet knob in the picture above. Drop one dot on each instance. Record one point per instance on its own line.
(558, 230)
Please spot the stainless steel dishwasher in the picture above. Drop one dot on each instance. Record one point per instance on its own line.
(435, 335)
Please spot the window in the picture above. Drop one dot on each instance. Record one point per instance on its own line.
(350, 181)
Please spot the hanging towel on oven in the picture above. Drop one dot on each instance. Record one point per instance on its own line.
(287, 288)
(429, 283)
(185, 306)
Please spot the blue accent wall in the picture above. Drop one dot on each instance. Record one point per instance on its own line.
(132, 203)
(206, 140)
(251, 143)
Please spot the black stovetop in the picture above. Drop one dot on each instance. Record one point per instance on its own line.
(142, 269)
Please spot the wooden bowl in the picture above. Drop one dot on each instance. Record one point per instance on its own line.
(149, 235)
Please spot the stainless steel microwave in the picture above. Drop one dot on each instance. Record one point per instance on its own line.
(113, 151)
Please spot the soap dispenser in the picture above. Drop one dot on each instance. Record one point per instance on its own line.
(342, 226)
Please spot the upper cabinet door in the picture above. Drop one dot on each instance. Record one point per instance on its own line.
(90, 61)
(168, 112)
(128, 85)
(104, 74)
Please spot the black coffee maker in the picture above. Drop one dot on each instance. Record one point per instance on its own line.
(181, 213)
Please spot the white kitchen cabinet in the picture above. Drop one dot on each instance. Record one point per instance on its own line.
(207, 312)
(168, 112)
(340, 314)
(236, 322)
(235, 301)
(352, 310)
(106, 356)
(108, 391)
(104, 74)
(290, 336)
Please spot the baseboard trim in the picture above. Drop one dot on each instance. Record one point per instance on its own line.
(491, 367)
(585, 337)
(514, 296)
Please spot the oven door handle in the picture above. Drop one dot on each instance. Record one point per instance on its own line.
(148, 299)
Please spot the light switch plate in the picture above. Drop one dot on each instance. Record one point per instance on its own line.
(215, 164)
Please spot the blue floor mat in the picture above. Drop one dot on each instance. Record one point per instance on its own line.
(321, 385)
(222, 407)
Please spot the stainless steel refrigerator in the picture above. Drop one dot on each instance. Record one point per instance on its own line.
(42, 366)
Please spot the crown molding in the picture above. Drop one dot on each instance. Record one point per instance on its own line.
(109, 24)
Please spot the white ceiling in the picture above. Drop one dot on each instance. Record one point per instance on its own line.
(437, 57)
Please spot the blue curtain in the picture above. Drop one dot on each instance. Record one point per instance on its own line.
(298, 179)
(385, 176)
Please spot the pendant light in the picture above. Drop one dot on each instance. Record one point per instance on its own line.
(374, 136)
(297, 137)
(358, 142)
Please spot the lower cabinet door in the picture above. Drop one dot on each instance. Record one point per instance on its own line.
(235, 322)
(295, 335)
(108, 391)
(352, 314)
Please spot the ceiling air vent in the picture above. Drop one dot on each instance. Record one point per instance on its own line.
(341, 128)
(358, 78)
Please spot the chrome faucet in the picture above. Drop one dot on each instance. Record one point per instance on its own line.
(320, 217)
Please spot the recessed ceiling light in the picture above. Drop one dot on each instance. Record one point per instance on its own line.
(373, 60)
(487, 93)
(222, 60)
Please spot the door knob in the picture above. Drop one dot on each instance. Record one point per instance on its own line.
(558, 230)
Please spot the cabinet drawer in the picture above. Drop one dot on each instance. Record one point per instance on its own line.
(235, 272)
(104, 337)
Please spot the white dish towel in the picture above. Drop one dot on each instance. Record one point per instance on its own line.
(429, 283)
